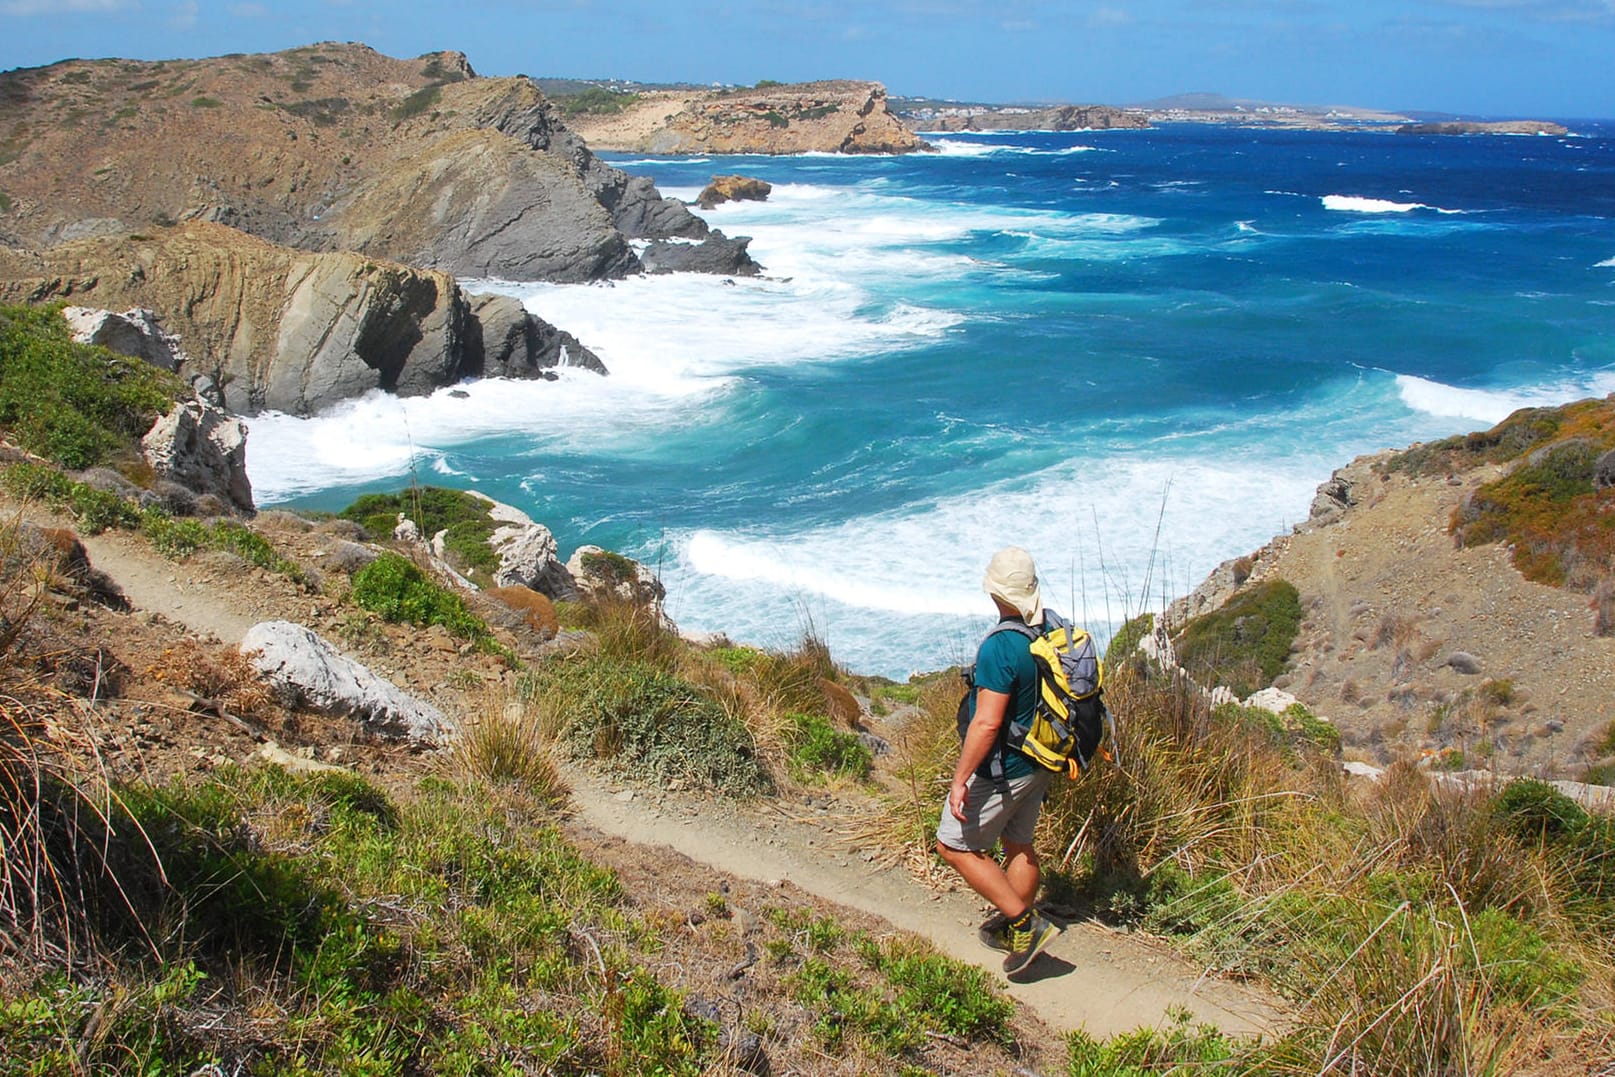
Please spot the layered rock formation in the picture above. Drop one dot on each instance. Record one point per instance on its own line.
(324, 148)
(838, 116)
(286, 330)
(1010, 118)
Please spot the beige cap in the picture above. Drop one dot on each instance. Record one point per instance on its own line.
(1012, 576)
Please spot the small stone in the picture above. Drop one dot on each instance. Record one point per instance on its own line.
(1464, 662)
(625, 796)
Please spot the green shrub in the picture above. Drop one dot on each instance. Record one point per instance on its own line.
(652, 725)
(1124, 644)
(177, 539)
(1535, 811)
(74, 404)
(464, 517)
(95, 510)
(598, 101)
(205, 102)
(818, 748)
(1246, 643)
(417, 103)
(1180, 1049)
(396, 589)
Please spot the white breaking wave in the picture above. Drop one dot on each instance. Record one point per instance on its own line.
(1346, 203)
(854, 579)
(1607, 263)
(949, 148)
(1494, 405)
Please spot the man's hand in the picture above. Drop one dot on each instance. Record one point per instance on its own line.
(956, 799)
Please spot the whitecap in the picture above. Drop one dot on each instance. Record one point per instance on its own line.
(1607, 263)
(1346, 203)
(1112, 537)
(1494, 405)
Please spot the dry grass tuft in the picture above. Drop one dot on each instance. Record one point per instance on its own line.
(512, 741)
(219, 675)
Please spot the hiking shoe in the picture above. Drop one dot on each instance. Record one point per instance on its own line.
(1024, 946)
(994, 932)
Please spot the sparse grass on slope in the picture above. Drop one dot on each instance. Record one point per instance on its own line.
(1558, 523)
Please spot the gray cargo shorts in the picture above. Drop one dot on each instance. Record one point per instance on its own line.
(993, 813)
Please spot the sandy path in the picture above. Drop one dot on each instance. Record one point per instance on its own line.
(176, 591)
(1093, 977)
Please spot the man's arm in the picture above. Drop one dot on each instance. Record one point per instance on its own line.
(980, 739)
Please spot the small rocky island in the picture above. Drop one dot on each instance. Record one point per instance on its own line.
(1502, 127)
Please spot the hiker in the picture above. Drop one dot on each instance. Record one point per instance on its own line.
(988, 803)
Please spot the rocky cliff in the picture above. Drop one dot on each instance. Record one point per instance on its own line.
(292, 330)
(1008, 118)
(325, 148)
(837, 116)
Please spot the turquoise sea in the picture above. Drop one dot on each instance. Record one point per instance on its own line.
(1135, 353)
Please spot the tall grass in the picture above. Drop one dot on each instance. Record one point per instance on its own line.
(1414, 929)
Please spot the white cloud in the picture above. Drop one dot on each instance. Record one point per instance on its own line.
(61, 7)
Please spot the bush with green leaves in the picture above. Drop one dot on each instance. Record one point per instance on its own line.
(463, 517)
(76, 405)
(1245, 644)
(397, 590)
(95, 510)
(819, 749)
(650, 724)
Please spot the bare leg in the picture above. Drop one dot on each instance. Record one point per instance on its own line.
(1021, 870)
(989, 880)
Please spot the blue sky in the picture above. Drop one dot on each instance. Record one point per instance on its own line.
(1538, 58)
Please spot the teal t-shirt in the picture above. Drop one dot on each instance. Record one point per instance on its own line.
(1004, 664)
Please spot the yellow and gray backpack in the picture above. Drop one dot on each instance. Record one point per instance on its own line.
(1070, 724)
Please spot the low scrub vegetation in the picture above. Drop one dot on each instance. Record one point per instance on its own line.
(462, 517)
(1551, 508)
(73, 404)
(1245, 644)
(597, 101)
(398, 590)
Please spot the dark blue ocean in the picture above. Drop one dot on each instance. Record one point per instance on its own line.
(1135, 353)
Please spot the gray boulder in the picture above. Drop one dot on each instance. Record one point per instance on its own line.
(1464, 662)
(505, 341)
(306, 671)
(134, 333)
(202, 449)
(529, 557)
(1604, 471)
(716, 254)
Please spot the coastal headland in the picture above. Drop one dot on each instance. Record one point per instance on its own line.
(396, 789)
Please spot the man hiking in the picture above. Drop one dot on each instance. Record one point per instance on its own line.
(997, 791)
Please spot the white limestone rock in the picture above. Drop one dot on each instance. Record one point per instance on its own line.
(307, 671)
(134, 333)
(202, 449)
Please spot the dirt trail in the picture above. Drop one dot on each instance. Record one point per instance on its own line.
(1093, 977)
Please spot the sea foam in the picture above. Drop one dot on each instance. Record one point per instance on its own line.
(1494, 405)
(1345, 203)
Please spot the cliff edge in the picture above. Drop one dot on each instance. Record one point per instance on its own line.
(325, 148)
(834, 116)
